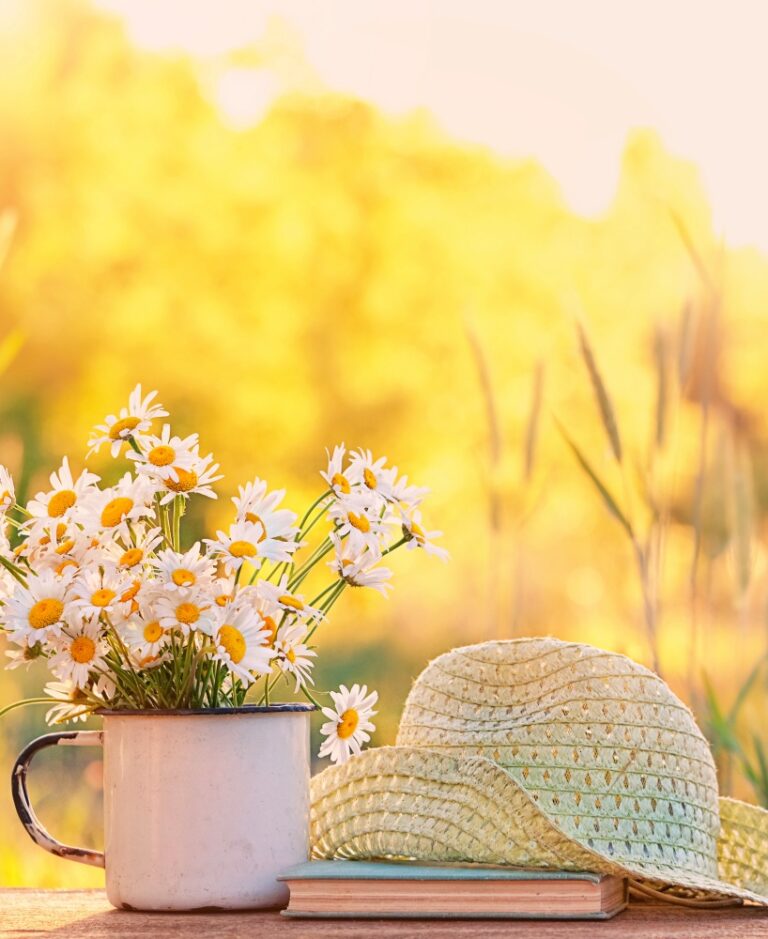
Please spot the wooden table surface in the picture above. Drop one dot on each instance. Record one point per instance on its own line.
(85, 914)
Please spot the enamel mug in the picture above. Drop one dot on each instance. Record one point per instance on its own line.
(202, 809)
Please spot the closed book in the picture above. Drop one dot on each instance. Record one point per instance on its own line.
(383, 889)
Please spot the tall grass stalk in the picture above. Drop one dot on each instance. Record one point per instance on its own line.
(494, 500)
(641, 548)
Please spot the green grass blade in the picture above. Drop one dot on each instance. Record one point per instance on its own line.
(534, 419)
(610, 503)
(607, 413)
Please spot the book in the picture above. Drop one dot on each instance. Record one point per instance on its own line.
(384, 889)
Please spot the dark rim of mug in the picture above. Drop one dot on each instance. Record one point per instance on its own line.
(294, 708)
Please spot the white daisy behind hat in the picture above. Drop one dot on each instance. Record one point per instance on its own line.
(542, 753)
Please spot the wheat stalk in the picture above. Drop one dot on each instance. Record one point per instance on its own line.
(607, 413)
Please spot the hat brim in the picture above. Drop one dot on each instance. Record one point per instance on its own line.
(421, 804)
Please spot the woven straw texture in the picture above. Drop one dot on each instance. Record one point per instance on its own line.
(540, 753)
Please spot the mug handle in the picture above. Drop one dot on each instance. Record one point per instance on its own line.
(35, 830)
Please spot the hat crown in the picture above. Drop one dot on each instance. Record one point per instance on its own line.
(600, 743)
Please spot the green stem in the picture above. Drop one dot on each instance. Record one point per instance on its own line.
(176, 535)
(13, 570)
(333, 585)
(397, 544)
(311, 509)
(309, 697)
(26, 701)
(327, 606)
(317, 555)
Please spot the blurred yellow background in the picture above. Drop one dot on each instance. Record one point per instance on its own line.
(331, 273)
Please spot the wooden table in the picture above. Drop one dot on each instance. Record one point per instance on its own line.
(85, 914)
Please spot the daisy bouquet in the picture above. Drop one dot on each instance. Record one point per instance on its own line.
(101, 583)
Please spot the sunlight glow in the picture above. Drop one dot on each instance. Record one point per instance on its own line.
(561, 82)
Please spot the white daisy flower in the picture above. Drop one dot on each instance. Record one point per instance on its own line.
(370, 472)
(134, 593)
(294, 657)
(114, 509)
(240, 643)
(73, 704)
(65, 493)
(265, 604)
(138, 554)
(340, 481)
(279, 598)
(348, 722)
(190, 569)
(358, 567)
(195, 479)
(36, 612)
(356, 515)
(163, 456)
(186, 609)
(146, 637)
(7, 490)
(24, 656)
(64, 559)
(79, 650)
(255, 505)
(238, 546)
(133, 421)
(419, 538)
(405, 497)
(95, 591)
(223, 590)
(43, 535)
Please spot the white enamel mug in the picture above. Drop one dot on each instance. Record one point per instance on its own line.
(202, 809)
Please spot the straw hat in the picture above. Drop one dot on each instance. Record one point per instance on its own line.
(541, 753)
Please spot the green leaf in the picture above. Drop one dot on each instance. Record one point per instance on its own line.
(746, 688)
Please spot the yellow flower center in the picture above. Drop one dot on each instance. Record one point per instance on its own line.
(370, 478)
(65, 546)
(6, 497)
(418, 533)
(288, 600)
(131, 592)
(82, 649)
(103, 597)
(64, 565)
(123, 428)
(131, 557)
(271, 625)
(187, 613)
(45, 613)
(60, 502)
(233, 641)
(255, 520)
(348, 723)
(340, 482)
(153, 631)
(291, 656)
(224, 598)
(360, 522)
(242, 549)
(183, 578)
(186, 480)
(161, 456)
(115, 511)
(147, 660)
